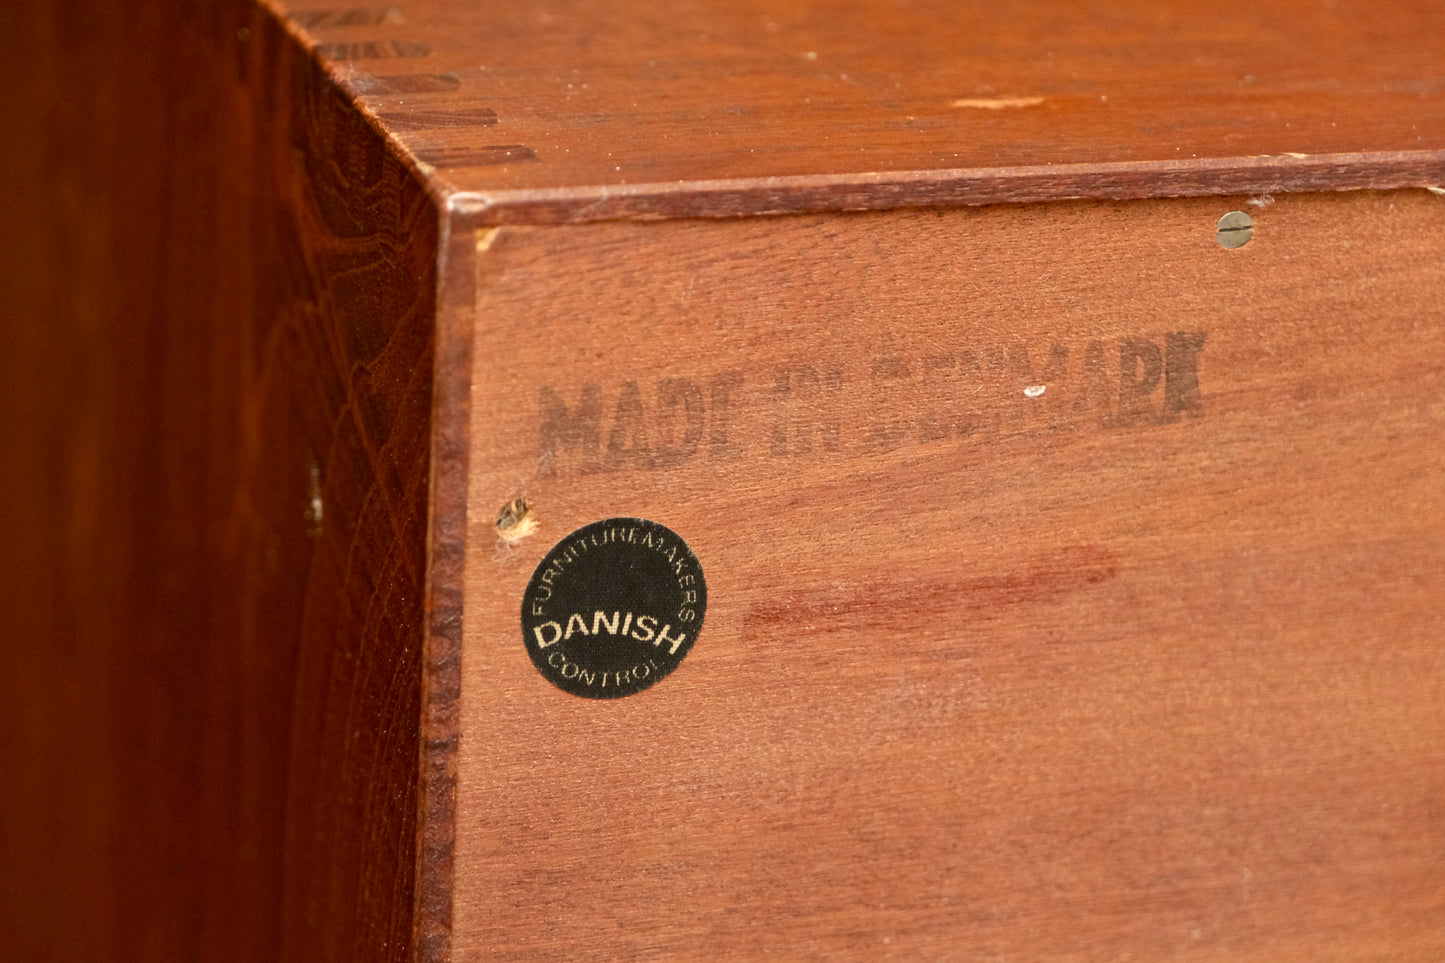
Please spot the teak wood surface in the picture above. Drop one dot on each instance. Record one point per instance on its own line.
(1119, 670)
(1075, 583)
(220, 293)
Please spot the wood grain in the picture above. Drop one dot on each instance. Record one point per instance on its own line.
(220, 292)
(447, 543)
(1141, 662)
(1142, 666)
(612, 108)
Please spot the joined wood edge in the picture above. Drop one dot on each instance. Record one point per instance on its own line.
(1284, 173)
(446, 559)
(461, 212)
(873, 191)
(438, 724)
(335, 72)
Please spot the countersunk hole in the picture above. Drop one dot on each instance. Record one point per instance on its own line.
(1234, 230)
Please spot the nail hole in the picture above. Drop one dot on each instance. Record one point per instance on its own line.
(1234, 230)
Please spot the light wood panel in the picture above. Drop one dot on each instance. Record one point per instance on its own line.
(1122, 670)
(595, 109)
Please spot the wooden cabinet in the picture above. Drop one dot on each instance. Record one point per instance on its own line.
(1049, 398)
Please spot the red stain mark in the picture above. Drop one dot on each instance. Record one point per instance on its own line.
(971, 599)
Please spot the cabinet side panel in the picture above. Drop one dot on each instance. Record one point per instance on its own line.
(219, 291)
(1075, 587)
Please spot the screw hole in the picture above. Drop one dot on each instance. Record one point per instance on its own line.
(515, 520)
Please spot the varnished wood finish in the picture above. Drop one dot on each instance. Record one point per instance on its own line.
(217, 373)
(1135, 664)
(1120, 671)
(440, 723)
(567, 110)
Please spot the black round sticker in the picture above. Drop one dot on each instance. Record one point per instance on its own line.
(613, 608)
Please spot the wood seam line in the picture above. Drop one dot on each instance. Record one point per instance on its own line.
(872, 191)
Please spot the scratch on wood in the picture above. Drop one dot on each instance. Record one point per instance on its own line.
(998, 103)
(315, 508)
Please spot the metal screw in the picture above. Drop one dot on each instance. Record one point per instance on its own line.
(1234, 230)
